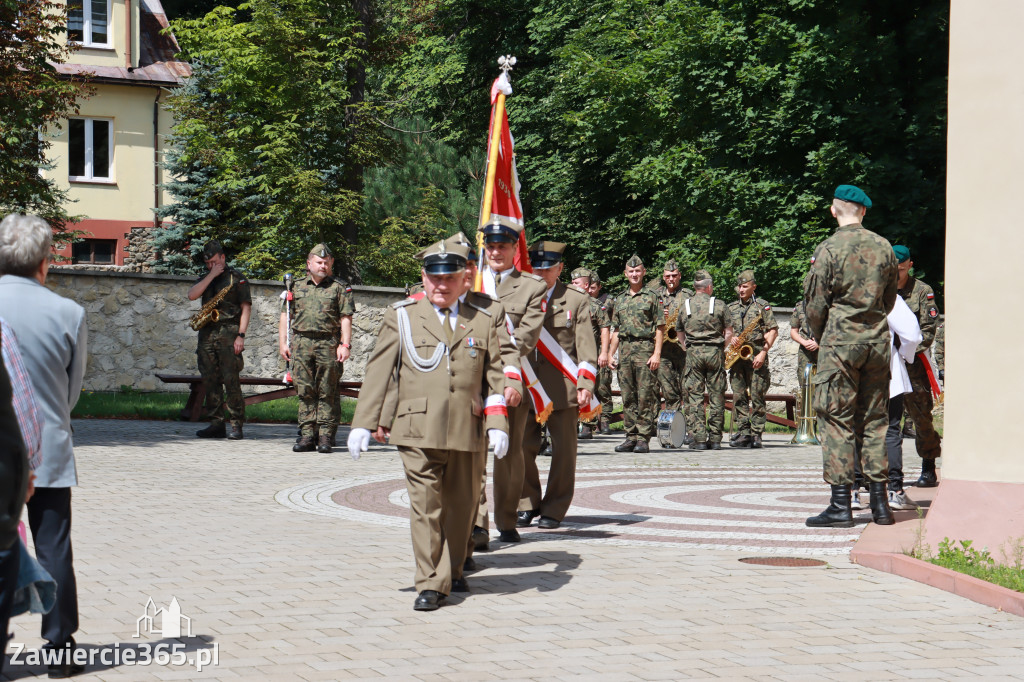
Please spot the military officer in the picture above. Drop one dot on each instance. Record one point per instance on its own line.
(920, 299)
(522, 295)
(321, 310)
(221, 343)
(808, 351)
(751, 378)
(581, 279)
(639, 326)
(703, 326)
(849, 291)
(440, 357)
(567, 321)
(604, 374)
(673, 357)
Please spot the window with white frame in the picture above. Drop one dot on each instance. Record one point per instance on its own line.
(89, 22)
(90, 149)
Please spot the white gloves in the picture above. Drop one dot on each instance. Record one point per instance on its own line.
(358, 441)
(498, 440)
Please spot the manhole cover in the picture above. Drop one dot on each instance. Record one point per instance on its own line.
(788, 562)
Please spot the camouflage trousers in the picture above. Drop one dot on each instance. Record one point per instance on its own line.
(919, 406)
(639, 390)
(604, 390)
(671, 373)
(749, 387)
(851, 397)
(705, 369)
(315, 371)
(220, 367)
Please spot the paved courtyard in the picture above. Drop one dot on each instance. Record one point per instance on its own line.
(299, 567)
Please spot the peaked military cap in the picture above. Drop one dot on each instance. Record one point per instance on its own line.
(671, 266)
(546, 254)
(443, 259)
(634, 262)
(901, 252)
(320, 251)
(581, 272)
(854, 194)
(744, 277)
(701, 275)
(211, 249)
(459, 239)
(501, 229)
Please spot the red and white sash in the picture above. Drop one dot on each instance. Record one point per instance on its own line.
(556, 355)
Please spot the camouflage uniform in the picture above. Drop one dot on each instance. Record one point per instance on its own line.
(636, 318)
(798, 321)
(218, 364)
(939, 348)
(921, 300)
(673, 357)
(317, 310)
(604, 374)
(704, 333)
(750, 385)
(850, 289)
(600, 320)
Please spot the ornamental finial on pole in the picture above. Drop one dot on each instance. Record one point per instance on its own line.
(506, 62)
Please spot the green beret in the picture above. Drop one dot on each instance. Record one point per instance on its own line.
(634, 262)
(320, 250)
(581, 272)
(744, 277)
(211, 249)
(701, 275)
(902, 253)
(671, 266)
(854, 194)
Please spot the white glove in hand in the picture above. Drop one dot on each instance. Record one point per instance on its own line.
(358, 441)
(498, 440)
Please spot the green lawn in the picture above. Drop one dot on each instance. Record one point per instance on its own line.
(167, 406)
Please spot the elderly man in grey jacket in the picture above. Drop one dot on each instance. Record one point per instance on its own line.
(51, 331)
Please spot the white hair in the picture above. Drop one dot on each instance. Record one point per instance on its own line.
(25, 242)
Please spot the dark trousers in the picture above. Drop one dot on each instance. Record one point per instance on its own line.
(49, 517)
(893, 447)
(9, 559)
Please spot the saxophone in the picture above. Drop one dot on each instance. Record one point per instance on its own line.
(209, 313)
(671, 335)
(744, 350)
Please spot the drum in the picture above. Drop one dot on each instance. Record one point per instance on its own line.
(671, 429)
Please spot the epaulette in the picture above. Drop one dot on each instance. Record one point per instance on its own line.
(401, 304)
(577, 289)
(474, 306)
(536, 277)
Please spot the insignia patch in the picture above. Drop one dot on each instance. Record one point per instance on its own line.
(930, 296)
(812, 260)
(543, 306)
(348, 289)
(932, 312)
(767, 307)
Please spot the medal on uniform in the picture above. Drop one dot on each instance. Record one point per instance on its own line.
(471, 344)
(568, 319)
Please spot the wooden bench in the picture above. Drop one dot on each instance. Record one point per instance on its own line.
(197, 392)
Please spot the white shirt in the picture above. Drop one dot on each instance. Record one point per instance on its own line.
(454, 307)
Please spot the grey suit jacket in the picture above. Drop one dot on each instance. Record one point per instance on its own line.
(52, 334)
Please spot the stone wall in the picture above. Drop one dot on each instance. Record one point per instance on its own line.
(139, 251)
(138, 326)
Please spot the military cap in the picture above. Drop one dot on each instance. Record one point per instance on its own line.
(459, 239)
(671, 266)
(594, 277)
(701, 275)
(581, 272)
(902, 253)
(854, 194)
(321, 251)
(441, 258)
(211, 249)
(501, 229)
(546, 254)
(634, 262)
(744, 277)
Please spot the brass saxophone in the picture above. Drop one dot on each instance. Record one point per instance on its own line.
(744, 350)
(209, 313)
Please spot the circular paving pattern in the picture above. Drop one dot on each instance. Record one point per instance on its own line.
(755, 510)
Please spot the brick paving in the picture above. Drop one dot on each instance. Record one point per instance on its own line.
(299, 567)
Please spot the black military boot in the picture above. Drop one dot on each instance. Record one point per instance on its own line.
(837, 514)
(606, 428)
(743, 441)
(212, 431)
(626, 445)
(323, 443)
(236, 432)
(688, 439)
(755, 440)
(641, 446)
(927, 479)
(880, 512)
(305, 444)
(586, 432)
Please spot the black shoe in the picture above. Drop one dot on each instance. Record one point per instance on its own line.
(586, 432)
(697, 445)
(429, 600)
(460, 585)
(548, 522)
(641, 446)
(879, 502)
(714, 446)
(838, 513)
(525, 518)
(469, 565)
(733, 438)
(755, 440)
(65, 667)
(688, 440)
(908, 431)
(509, 535)
(212, 431)
(546, 452)
(305, 444)
(236, 432)
(626, 445)
(606, 429)
(742, 442)
(481, 539)
(324, 444)
(928, 479)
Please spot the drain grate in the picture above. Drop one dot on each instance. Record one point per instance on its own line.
(786, 561)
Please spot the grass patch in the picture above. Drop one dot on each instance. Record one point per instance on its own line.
(962, 557)
(132, 404)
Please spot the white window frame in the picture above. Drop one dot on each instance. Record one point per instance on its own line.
(90, 152)
(87, 24)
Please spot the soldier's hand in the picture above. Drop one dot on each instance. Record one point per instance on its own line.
(583, 397)
(602, 360)
(286, 352)
(498, 439)
(239, 345)
(513, 397)
(217, 269)
(759, 359)
(614, 363)
(811, 345)
(653, 362)
(343, 353)
(381, 435)
(358, 441)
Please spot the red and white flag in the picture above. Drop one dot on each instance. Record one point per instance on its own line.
(505, 197)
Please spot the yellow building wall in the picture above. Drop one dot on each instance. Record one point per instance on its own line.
(94, 56)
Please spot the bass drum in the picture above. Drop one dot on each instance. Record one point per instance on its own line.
(671, 429)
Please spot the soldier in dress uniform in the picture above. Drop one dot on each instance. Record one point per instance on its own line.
(808, 351)
(639, 326)
(322, 310)
(848, 293)
(604, 373)
(920, 299)
(581, 279)
(703, 326)
(751, 378)
(673, 357)
(438, 359)
(567, 320)
(221, 343)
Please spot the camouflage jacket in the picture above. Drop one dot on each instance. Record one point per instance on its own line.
(608, 302)
(318, 308)
(703, 327)
(230, 308)
(599, 319)
(850, 288)
(637, 316)
(798, 321)
(939, 348)
(920, 299)
(741, 314)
